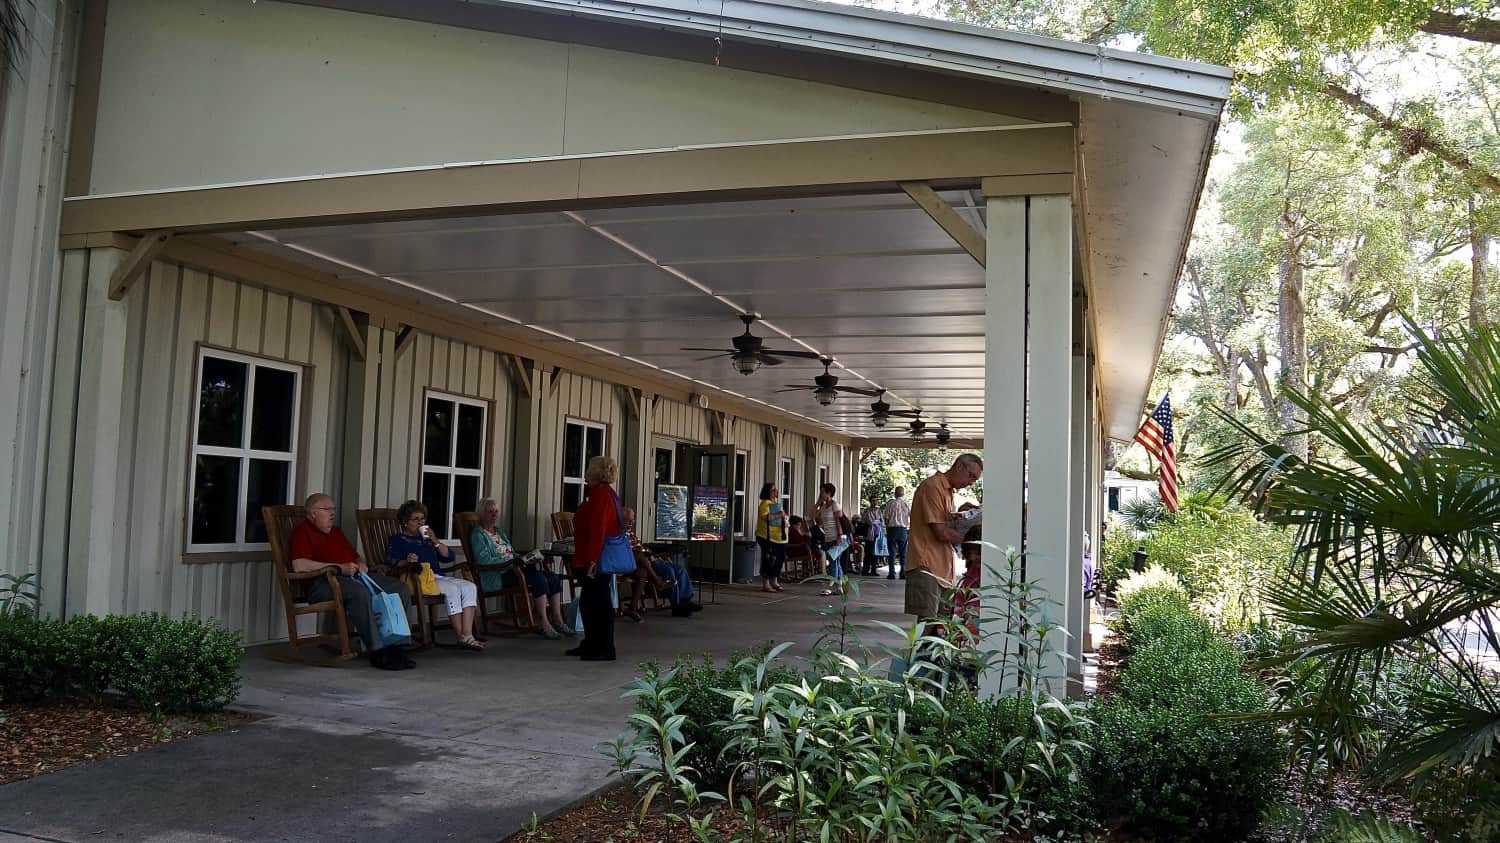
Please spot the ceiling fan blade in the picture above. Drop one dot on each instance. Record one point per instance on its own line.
(768, 360)
(858, 390)
(905, 414)
(719, 350)
(714, 356)
(806, 355)
(796, 389)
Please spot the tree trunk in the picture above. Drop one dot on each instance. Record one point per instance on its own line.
(1479, 264)
(1257, 366)
(1468, 27)
(1291, 335)
(1415, 139)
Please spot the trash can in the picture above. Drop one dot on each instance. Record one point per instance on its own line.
(745, 554)
(1139, 562)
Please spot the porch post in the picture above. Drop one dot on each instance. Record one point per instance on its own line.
(526, 449)
(1049, 527)
(1004, 401)
(361, 409)
(1093, 518)
(1028, 476)
(1078, 494)
(92, 572)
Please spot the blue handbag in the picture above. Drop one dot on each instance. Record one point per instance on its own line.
(389, 613)
(617, 557)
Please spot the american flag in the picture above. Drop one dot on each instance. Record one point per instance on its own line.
(1156, 436)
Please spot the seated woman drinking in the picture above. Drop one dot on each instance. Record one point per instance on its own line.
(417, 543)
(493, 547)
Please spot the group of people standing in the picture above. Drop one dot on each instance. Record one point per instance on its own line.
(918, 537)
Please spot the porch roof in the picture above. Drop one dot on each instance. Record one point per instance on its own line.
(864, 275)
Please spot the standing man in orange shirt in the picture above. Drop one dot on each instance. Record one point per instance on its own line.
(930, 563)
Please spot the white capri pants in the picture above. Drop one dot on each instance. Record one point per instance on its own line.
(460, 594)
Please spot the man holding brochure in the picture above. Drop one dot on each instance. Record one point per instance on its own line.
(930, 563)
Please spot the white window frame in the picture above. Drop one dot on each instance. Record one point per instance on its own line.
(788, 474)
(452, 470)
(823, 474)
(741, 491)
(244, 453)
(580, 481)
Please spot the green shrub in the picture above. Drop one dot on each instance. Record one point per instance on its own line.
(1143, 590)
(1191, 674)
(161, 664)
(1222, 554)
(1461, 804)
(1175, 774)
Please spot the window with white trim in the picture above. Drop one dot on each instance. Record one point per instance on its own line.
(787, 471)
(741, 469)
(454, 433)
(822, 478)
(582, 441)
(244, 452)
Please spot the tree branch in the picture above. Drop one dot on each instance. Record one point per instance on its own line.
(1414, 139)
(1467, 27)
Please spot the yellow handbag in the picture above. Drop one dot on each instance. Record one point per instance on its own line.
(427, 580)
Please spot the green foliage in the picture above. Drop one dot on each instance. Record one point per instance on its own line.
(1366, 828)
(160, 664)
(1461, 804)
(893, 749)
(19, 593)
(1398, 559)
(1153, 586)
(886, 468)
(1167, 762)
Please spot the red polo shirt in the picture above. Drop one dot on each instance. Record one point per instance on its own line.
(330, 547)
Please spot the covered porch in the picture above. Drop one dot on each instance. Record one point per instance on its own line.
(987, 227)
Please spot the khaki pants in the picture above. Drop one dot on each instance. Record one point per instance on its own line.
(924, 594)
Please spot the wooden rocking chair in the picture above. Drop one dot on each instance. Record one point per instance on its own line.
(376, 526)
(294, 585)
(518, 595)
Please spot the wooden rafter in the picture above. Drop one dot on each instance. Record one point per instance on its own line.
(521, 368)
(556, 379)
(351, 330)
(404, 339)
(137, 262)
(943, 214)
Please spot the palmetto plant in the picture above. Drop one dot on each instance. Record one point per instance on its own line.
(12, 35)
(1396, 560)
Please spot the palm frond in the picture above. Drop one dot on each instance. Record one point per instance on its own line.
(13, 36)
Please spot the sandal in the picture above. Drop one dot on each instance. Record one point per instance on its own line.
(471, 644)
(632, 616)
(777, 588)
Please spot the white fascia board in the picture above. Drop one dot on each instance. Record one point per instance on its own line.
(1049, 63)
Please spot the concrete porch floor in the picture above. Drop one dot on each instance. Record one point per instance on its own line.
(465, 747)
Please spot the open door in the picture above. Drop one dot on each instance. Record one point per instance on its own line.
(708, 472)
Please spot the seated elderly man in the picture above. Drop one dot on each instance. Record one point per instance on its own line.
(671, 577)
(316, 544)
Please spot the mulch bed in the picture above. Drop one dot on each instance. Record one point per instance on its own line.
(615, 816)
(40, 739)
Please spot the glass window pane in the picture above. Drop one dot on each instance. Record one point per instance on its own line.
(572, 496)
(663, 466)
(465, 495)
(595, 443)
(470, 437)
(739, 472)
(216, 493)
(267, 486)
(739, 514)
(435, 495)
(221, 403)
(438, 445)
(271, 417)
(573, 451)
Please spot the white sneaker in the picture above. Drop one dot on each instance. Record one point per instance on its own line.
(549, 632)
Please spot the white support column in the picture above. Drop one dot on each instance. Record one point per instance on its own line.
(1004, 399)
(1077, 507)
(1028, 408)
(1093, 486)
(1049, 527)
(93, 575)
(526, 453)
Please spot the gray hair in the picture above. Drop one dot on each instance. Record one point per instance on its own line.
(484, 505)
(313, 500)
(970, 459)
(602, 470)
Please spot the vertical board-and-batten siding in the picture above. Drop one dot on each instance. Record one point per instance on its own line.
(173, 312)
(682, 422)
(433, 364)
(578, 397)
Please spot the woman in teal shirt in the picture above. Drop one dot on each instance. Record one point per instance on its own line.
(493, 547)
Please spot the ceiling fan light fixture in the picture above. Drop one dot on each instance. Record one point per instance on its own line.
(825, 398)
(878, 421)
(746, 364)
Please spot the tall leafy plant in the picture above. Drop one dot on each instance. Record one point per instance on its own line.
(1396, 559)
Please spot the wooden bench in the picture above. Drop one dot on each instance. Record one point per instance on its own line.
(295, 585)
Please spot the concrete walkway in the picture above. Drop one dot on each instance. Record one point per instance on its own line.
(466, 747)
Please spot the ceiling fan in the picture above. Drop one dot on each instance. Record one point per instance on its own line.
(825, 387)
(750, 353)
(941, 435)
(880, 411)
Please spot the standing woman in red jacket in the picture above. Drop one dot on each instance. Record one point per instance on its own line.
(596, 519)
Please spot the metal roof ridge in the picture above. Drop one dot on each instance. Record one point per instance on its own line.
(1019, 58)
